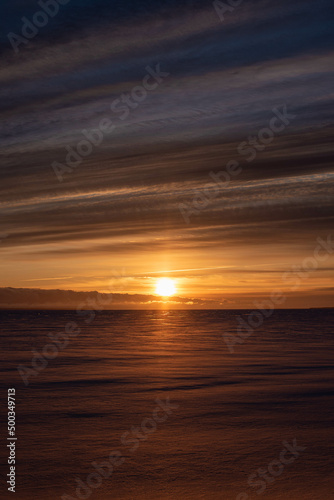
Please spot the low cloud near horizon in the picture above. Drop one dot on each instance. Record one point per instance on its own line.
(40, 299)
(34, 298)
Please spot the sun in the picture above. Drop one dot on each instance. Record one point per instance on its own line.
(165, 287)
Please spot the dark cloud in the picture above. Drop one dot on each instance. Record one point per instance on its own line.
(31, 298)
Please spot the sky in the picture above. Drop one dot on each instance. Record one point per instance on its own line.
(209, 153)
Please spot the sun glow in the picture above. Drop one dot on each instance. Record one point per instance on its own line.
(165, 287)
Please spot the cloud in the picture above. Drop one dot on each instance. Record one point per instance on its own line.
(32, 298)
